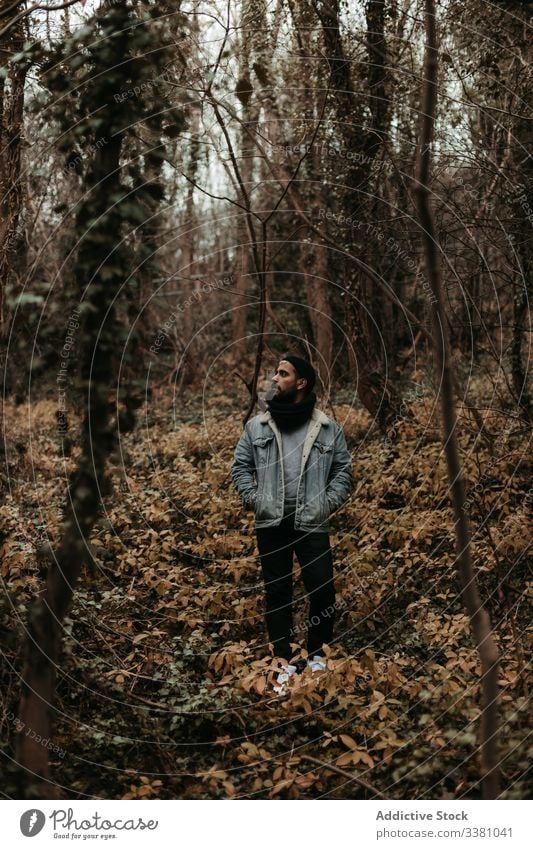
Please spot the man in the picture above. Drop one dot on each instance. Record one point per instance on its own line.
(292, 467)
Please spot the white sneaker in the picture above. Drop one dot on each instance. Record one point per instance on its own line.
(283, 677)
(316, 663)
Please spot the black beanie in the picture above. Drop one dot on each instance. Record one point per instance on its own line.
(303, 369)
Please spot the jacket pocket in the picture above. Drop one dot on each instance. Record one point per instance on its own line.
(261, 441)
(262, 445)
(323, 448)
(325, 511)
(263, 457)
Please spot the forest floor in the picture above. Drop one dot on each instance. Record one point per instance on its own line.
(164, 687)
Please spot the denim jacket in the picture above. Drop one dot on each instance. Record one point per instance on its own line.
(325, 475)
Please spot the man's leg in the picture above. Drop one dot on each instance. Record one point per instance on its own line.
(316, 559)
(276, 553)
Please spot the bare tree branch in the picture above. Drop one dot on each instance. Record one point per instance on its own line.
(26, 12)
(361, 781)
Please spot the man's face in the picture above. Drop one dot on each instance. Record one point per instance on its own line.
(290, 387)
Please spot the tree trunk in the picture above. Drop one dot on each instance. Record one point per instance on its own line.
(315, 257)
(189, 360)
(521, 302)
(86, 485)
(250, 117)
(11, 123)
(479, 618)
(374, 389)
(102, 268)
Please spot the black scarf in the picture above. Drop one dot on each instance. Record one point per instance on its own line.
(290, 416)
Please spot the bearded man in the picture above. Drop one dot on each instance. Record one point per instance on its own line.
(293, 468)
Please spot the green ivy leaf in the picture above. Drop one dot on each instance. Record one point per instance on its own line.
(28, 298)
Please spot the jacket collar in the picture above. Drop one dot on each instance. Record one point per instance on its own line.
(316, 416)
(317, 419)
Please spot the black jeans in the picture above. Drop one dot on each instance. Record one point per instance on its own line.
(276, 546)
